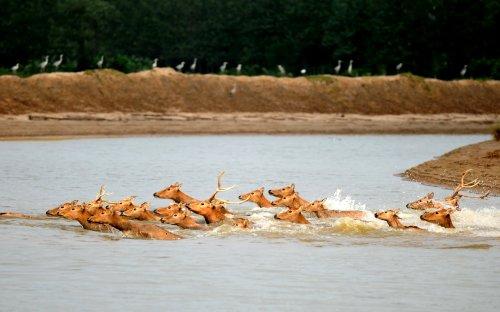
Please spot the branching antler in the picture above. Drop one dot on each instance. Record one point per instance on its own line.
(219, 187)
(463, 184)
(101, 194)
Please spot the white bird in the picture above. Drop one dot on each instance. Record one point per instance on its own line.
(180, 66)
(303, 71)
(193, 66)
(15, 68)
(223, 67)
(58, 62)
(155, 63)
(349, 69)
(238, 69)
(398, 67)
(338, 67)
(232, 92)
(282, 70)
(44, 64)
(463, 71)
(100, 62)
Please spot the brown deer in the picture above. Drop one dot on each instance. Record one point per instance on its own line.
(130, 228)
(141, 213)
(81, 214)
(292, 202)
(453, 199)
(124, 204)
(290, 215)
(286, 191)
(14, 215)
(242, 223)
(257, 196)
(169, 210)
(426, 202)
(211, 212)
(318, 208)
(393, 220)
(54, 211)
(441, 217)
(183, 220)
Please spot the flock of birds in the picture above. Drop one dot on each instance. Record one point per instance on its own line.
(222, 69)
(105, 216)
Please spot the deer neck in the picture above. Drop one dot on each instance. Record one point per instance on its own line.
(295, 204)
(264, 202)
(120, 223)
(447, 223)
(149, 216)
(84, 216)
(182, 197)
(301, 219)
(395, 223)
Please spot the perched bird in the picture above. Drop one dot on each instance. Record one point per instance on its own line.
(15, 68)
(100, 62)
(238, 69)
(303, 71)
(180, 66)
(232, 92)
(155, 63)
(223, 67)
(193, 66)
(349, 69)
(463, 71)
(44, 64)
(58, 62)
(398, 67)
(282, 70)
(338, 67)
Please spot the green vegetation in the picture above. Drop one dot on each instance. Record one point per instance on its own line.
(432, 38)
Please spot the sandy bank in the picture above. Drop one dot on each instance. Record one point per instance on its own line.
(166, 91)
(102, 124)
(483, 158)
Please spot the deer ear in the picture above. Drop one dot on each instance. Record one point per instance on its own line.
(292, 186)
(261, 189)
(430, 195)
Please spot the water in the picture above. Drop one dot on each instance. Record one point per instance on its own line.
(329, 265)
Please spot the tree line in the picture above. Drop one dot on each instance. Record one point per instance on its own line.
(432, 38)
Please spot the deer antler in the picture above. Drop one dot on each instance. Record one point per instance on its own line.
(219, 187)
(102, 193)
(463, 185)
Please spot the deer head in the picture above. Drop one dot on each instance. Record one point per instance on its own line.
(388, 215)
(137, 212)
(284, 191)
(54, 211)
(124, 204)
(315, 206)
(170, 192)
(426, 202)
(211, 212)
(72, 212)
(242, 223)
(169, 210)
(103, 215)
(253, 196)
(176, 217)
(289, 201)
(441, 217)
(294, 216)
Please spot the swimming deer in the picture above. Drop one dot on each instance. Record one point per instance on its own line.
(441, 217)
(124, 204)
(318, 208)
(290, 215)
(169, 210)
(242, 223)
(292, 201)
(212, 213)
(54, 211)
(453, 199)
(287, 191)
(14, 215)
(426, 202)
(81, 214)
(141, 213)
(393, 220)
(257, 196)
(130, 228)
(183, 219)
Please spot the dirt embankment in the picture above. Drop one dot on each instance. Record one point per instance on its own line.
(446, 170)
(166, 91)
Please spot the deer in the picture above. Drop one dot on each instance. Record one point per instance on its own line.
(426, 202)
(141, 213)
(454, 198)
(169, 210)
(242, 223)
(441, 217)
(81, 214)
(318, 208)
(212, 213)
(286, 191)
(393, 220)
(124, 204)
(130, 228)
(54, 211)
(14, 215)
(183, 219)
(292, 201)
(257, 197)
(294, 216)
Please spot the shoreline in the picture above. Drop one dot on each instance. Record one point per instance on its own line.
(74, 125)
(445, 171)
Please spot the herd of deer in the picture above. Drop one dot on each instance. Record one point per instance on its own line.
(104, 216)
